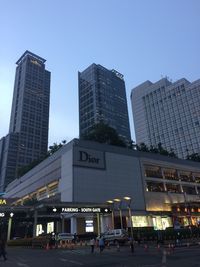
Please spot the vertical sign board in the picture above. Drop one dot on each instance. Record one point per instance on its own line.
(88, 158)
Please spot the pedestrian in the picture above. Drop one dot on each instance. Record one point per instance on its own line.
(3, 249)
(118, 246)
(138, 238)
(131, 242)
(101, 244)
(92, 243)
(75, 238)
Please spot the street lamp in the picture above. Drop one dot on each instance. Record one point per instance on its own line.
(118, 200)
(129, 212)
(111, 202)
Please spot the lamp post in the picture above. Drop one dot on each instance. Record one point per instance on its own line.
(129, 212)
(111, 202)
(118, 200)
(9, 226)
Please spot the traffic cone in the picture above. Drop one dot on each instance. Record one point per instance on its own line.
(47, 246)
(164, 260)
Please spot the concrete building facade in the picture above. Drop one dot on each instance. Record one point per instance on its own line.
(168, 113)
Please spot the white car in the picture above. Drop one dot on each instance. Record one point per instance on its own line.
(65, 236)
(115, 235)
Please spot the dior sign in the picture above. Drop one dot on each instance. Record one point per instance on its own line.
(86, 157)
(89, 158)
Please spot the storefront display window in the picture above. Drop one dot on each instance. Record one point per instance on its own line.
(39, 229)
(140, 221)
(161, 223)
(50, 227)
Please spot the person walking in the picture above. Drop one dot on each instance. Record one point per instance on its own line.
(101, 244)
(3, 249)
(92, 243)
(131, 242)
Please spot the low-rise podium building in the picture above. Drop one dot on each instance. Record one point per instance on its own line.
(163, 191)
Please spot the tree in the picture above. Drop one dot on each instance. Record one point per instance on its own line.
(142, 147)
(156, 149)
(52, 149)
(55, 147)
(30, 202)
(103, 133)
(132, 145)
(194, 157)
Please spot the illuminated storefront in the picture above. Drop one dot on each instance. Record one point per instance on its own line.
(157, 222)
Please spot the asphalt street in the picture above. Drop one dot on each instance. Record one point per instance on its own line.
(152, 257)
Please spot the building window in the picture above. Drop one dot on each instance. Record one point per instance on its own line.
(171, 174)
(186, 176)
(173, 188)
(153, 171)
(190, 190)
(155, 187)
(197, 177)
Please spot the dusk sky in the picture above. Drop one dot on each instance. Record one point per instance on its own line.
(142, 39)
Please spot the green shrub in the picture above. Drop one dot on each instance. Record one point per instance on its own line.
(27, 242)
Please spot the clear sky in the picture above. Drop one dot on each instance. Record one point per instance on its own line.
(142, 39)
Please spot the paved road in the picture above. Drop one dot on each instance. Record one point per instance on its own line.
(184, 257)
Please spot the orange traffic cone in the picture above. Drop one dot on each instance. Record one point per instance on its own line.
(47, 246)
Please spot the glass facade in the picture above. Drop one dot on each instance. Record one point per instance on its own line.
(102, 97)
(29, 121)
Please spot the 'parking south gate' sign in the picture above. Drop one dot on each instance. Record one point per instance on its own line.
(81, 210)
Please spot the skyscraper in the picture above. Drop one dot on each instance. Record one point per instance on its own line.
(168, 113)
(29, 122)
(102, 97)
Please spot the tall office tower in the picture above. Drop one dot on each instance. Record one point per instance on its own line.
(168, 113)
(28, 132)
(102, 97)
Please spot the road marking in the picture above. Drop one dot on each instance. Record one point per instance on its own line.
(70, 261)
(22, 264)
(80, 252)
(76, 262)
(62, 259)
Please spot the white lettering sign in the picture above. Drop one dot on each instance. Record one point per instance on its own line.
(69, 209)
